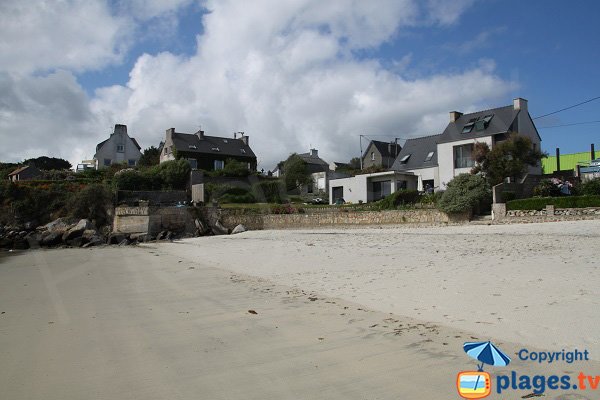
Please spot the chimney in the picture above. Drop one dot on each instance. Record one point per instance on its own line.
(592, 152)
(557, 159)
(314, 153)
(520, 104)
(200, 134)
(170, 133)
(454, 115)
(244, 139)
(120, 129)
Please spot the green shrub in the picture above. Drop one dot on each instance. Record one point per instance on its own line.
(237, 198)
(508, 196)
(398, 198)
(539, 203)
(270, 191)
(232, 168)
(130, 179)
(92, 203)
(590, 188)
(546, 188)
(466, 193)
(431, 198)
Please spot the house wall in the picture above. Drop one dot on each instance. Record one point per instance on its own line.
(526, 128)
(426, 174)
(446, 159)
(367, 162)
(360, 187)
(109, 150)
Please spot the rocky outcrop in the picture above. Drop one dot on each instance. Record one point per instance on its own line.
(239, 229)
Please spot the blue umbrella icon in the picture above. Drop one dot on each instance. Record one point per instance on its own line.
(487, 353)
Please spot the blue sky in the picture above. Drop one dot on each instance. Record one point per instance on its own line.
(290, 74)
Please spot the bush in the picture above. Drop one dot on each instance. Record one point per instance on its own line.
(174, 174)
(398, 198)
(466, 193)
(270, 191)
(232, 168)
(590, 188)
(91, 203)
(547, 188)
(539, 203)
(130, 179)
(237, 198)
(431, 198)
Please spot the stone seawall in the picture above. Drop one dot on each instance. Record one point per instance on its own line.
(548, 214)
(337, 218)
(153, 220)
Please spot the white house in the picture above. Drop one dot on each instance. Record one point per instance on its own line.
(118, 148)
(370, 187)
(437, 159)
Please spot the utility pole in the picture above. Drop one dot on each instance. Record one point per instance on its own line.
(361, 153)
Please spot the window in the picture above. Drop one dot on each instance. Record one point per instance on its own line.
(463, 156)
(225, 141)
(219, 164)
(120, 148)
(401, 185)
(404, 159)
(429, 156)
(193, 163)
(131, 163)
(243, 151)
(372, 156)
(192, 146)
(468, 127)
(215, 149)
(107, 161)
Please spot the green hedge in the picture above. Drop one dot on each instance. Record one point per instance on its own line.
(539, 203)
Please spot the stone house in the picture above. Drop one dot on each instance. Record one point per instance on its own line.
(25, 173)
(205, 152)
(118, 148)
(380, 154)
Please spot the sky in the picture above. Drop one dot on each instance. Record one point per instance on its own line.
(292, 75)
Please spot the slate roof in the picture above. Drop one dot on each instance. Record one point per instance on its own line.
(227, 146)
(99, 145)
(503, 120)
(19, 170)
(418, 149)
(315, 163)
(384, 148)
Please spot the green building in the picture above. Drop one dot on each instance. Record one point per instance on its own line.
(567, 161)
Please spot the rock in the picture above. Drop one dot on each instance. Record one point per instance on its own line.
(75, 242)
(219, 229)
(20, 244)
(162, 235)
(6, 243)
(170, 236)
(239, 229)
(138, 236)
(52, 239)
(88, 234)
(58, 225)
(77, 230)
(30, 225)
(124, 242)
(95, 241)
(116, 238)
(33, 240)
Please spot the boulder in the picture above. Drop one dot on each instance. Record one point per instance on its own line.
(30, 225)
(124, 242)
(77, 230)
(88, 234)
(116, 238)
(219, 229)
(95, 241)
(239, 229)
(52, 239)
(75, 242)
(33, 240)
(162, 235)
(58, 225)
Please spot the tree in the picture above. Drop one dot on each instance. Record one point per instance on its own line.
(48, 163)
(295, 172)
(150, 157)
(509, 158)
(354, 163)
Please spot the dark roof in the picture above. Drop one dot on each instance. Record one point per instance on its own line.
(384, 148)
(99, 145)
(19, 170)
(315, 163)
(191, 143)
(502, 121)
(136, 143)
(418, 149)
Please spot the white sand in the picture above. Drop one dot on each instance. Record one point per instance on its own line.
(536, 284)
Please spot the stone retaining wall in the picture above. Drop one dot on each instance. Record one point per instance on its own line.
(153, 220)
(337, 218)
(549, 214)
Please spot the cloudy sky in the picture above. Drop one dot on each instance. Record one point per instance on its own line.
(292, 74)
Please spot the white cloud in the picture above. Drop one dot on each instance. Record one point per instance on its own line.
(284, 72)
(73, 34)
(447, 12)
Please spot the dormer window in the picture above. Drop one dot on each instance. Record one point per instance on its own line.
(215, 149)
(225, 141)
(192, 146)
(429, 156)
(243, 151)
(404, 159)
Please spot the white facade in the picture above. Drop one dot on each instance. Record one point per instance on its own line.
(426, 174)
(446, 161)
(117, 149)
(361, 188)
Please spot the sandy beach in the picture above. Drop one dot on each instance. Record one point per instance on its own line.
(324, 314)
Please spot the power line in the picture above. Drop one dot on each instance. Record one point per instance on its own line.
(568, 108)
(574, 123)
